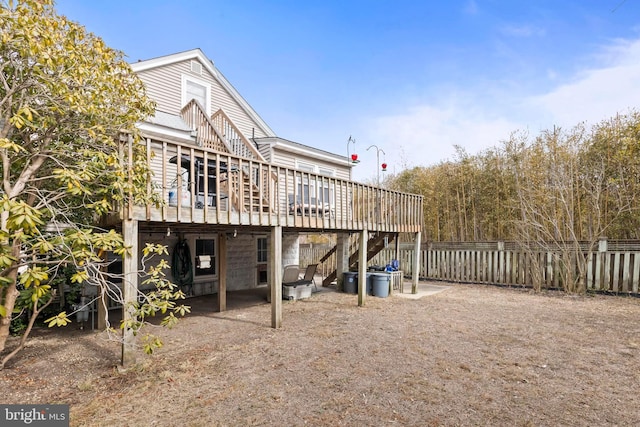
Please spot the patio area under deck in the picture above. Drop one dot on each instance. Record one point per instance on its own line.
(241, 194)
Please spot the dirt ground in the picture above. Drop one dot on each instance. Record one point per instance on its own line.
(470, 355)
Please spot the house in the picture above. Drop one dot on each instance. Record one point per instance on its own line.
(238, 194)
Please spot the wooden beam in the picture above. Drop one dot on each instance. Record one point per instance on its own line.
(362, 268)
(416, 264)
(222, 273)
(130, 288)
(275, 276)
(342, 258)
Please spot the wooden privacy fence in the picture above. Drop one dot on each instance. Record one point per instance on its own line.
(312, 255)
(613, 267)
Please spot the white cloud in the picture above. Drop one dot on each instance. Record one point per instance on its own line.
(597, 93)
(426, 135)
(522, 31)
(480, 118)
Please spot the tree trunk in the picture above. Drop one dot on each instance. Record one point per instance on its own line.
(32, 320)
(8, 300)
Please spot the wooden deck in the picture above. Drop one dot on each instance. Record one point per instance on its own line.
(202, 186)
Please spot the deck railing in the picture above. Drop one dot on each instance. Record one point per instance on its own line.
(235, 140)
(201, 185)
(206, 133)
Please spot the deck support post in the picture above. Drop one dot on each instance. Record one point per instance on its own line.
(222, 274)
(342, 258)
(416, 263)
(129, 289)
(275, 276)
(362, 268)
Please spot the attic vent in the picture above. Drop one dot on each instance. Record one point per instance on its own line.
(196, 67)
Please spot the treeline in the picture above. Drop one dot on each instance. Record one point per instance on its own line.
(561, 185)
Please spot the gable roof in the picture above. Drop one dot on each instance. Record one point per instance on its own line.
(215, 73)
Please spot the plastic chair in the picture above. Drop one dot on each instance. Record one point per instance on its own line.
(310, 275)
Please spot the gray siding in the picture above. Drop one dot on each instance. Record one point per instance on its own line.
(286, 159)
(265, 152)
(164, 84)
(157, 163)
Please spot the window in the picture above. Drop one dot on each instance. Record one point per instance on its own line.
(205, 254)
(314, 194)
(262, 249)
(304, 192)
(325, 194)
(197, 89)
(307, 167)
(326, 171)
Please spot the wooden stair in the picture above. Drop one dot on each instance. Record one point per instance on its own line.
(254, 200)
(375, 244)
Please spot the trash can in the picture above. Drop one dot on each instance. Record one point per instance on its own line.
(369, 283)
(350, 282)
(380, 284)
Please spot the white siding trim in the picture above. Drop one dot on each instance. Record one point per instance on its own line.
(306, 166)
(206, 84)
(149, 128)
(326, 171)
(309, 153)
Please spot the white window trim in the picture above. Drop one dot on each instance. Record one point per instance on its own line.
(315, 169)
(191, 240)
(306, 166)
(200, 82)
(326, 171)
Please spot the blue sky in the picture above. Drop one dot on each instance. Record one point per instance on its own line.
(413, 78)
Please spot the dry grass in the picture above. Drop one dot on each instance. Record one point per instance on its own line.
(472, 355)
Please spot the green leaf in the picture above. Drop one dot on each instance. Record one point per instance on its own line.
(60, 320)
(33, 276)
